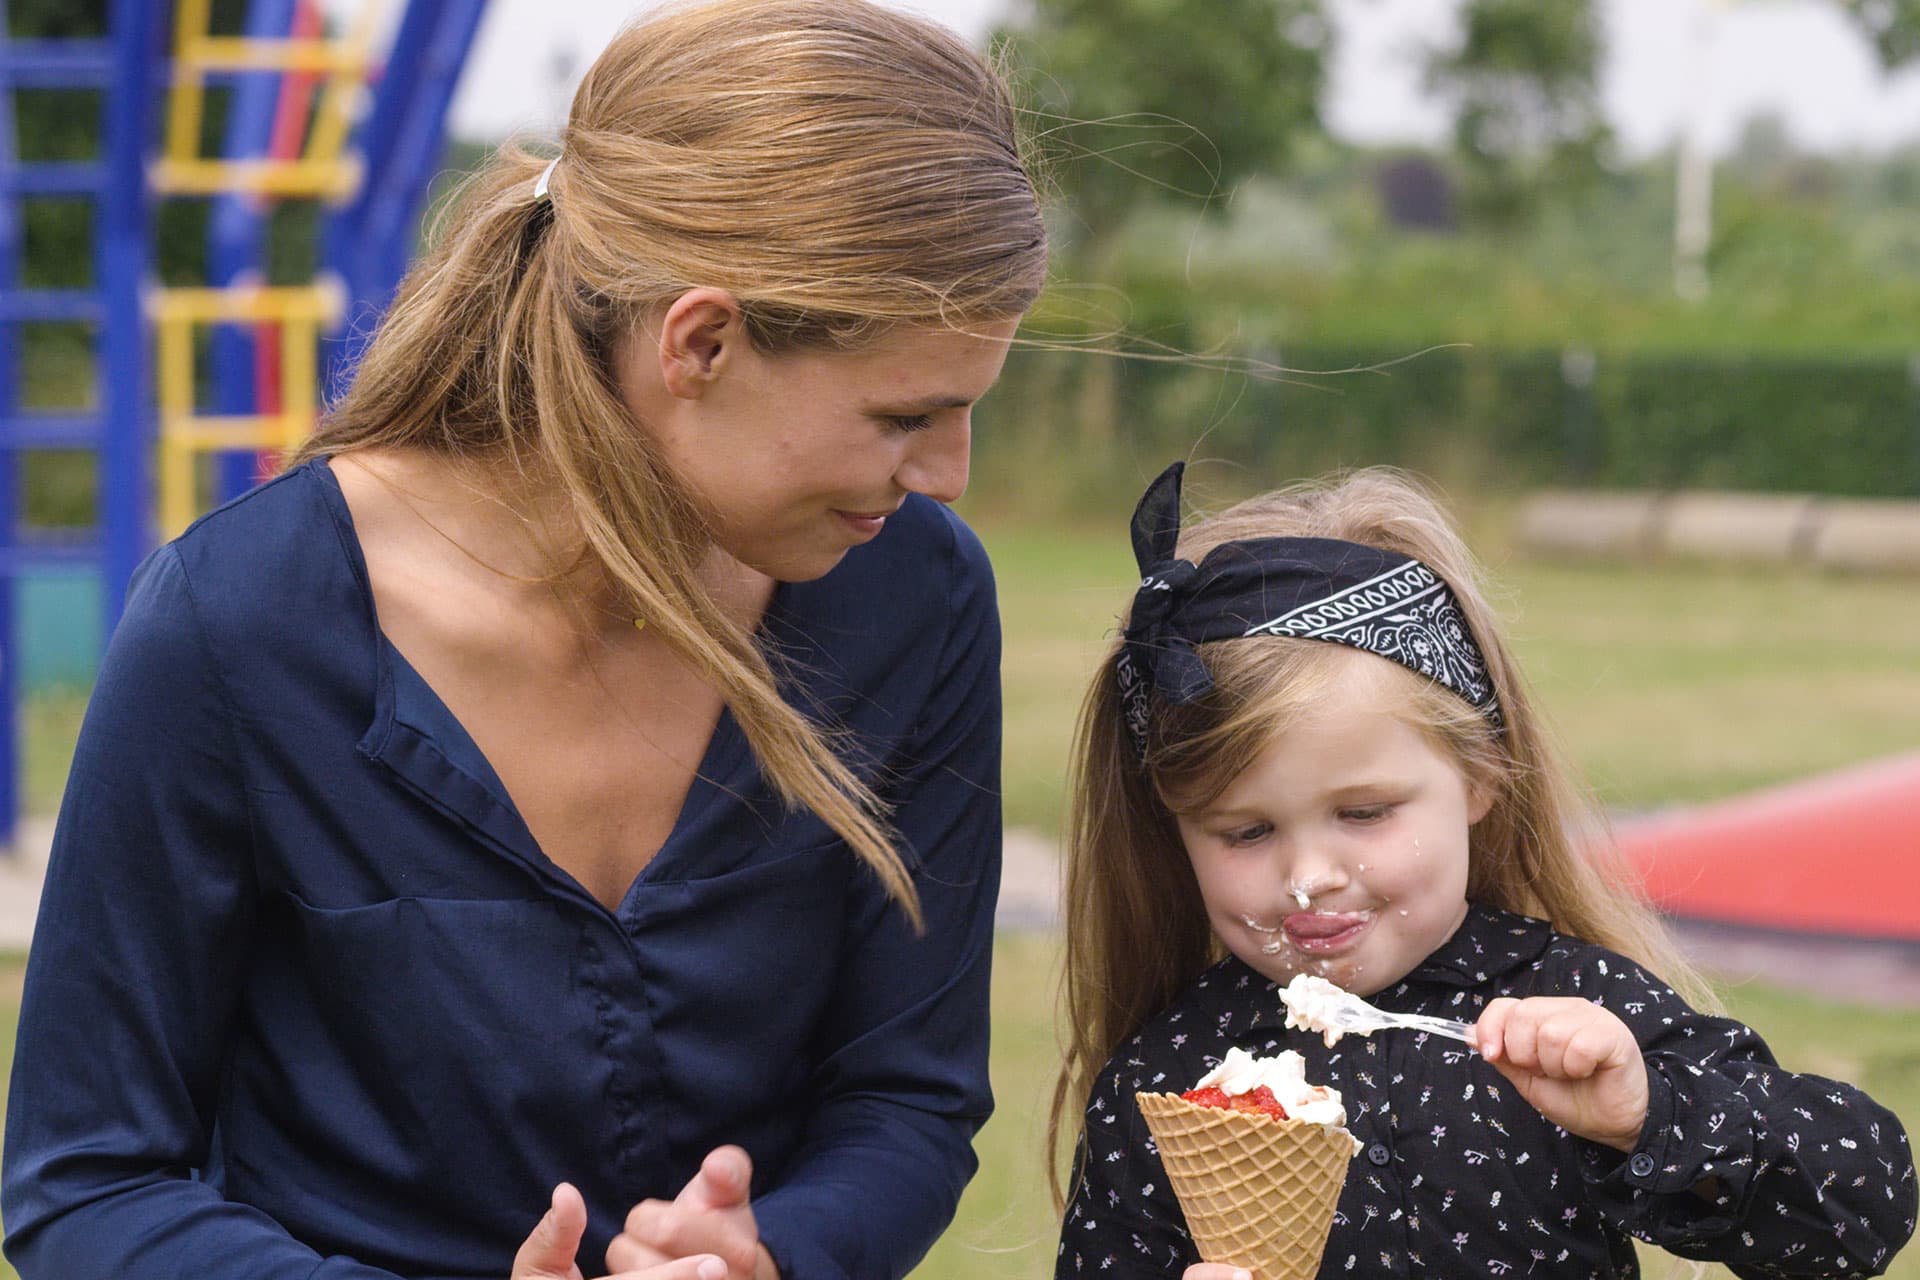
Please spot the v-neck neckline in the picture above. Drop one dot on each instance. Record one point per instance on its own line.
(415, 733)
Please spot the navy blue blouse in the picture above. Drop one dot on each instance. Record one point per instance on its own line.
(306, 1000)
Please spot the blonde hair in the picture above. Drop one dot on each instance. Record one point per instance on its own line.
(1136, 928)
(842, 170)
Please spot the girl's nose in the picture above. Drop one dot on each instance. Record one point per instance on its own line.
(937, 459)
(1315, 874)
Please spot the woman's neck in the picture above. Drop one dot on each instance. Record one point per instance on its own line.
(498, 520)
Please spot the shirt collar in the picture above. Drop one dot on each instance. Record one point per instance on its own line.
(1489, 942)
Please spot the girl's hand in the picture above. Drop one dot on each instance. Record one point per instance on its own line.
(710, 1216)
(1574, 1061)
(1215, 1271)
(548, 1253)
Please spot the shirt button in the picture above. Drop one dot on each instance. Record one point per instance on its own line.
(1641, 1166)
(1378, 1153)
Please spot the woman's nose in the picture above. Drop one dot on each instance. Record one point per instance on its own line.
(937, 459)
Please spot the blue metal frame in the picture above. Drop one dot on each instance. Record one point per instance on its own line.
(123, 251)
(237, 240)
(369, 241)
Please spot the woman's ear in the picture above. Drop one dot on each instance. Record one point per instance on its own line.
(699, 333)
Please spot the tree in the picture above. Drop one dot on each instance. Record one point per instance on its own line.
(1526, 77)
(1893, 25)
(1149, 99)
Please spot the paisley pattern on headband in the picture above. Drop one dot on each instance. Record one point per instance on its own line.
(1405, 615)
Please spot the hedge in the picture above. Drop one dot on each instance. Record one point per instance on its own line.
(1493, 420)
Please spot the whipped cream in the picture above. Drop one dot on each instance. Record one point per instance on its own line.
(1286, 1074)
(1312, 1004)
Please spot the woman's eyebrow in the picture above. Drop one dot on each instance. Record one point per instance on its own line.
(928, 405)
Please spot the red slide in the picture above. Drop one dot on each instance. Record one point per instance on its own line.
(1837, 854)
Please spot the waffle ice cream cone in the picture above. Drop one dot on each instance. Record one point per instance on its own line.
(1257, 1192)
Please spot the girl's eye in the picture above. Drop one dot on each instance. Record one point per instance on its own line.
(1248, 835)
(1366, 813)
(918, 422)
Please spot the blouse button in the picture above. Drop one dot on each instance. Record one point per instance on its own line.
(1378, 1153)
(1641, 1166)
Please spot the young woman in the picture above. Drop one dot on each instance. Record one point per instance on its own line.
(572, 787)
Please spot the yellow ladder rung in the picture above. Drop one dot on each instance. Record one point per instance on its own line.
(209, 434)
(240, 53)
(317, 179)
(257, 303)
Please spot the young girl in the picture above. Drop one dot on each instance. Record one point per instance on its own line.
(1312, 753)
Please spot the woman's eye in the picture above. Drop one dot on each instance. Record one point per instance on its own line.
(1365, 813)
(918, 422)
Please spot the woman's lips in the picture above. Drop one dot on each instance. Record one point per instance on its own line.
(1326, 932)
(867, 526)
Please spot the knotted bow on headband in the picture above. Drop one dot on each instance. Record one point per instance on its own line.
(1312, 588)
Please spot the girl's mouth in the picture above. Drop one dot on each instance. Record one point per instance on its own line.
(1326, 933)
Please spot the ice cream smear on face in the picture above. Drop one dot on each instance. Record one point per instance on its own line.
(1243, 1082)
(1313, 1004)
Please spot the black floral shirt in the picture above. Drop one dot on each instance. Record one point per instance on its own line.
(1458, 1176)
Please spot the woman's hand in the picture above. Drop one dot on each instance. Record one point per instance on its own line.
(1576, 1063)
(710, 1216)
(548, 1253)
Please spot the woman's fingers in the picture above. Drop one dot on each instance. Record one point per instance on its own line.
(549, 1250)
(628, 1253)
(725, 1181)
(699, 1267)
(711, 1215)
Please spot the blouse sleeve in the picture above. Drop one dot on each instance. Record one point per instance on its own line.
(131, 985)
(1771, 1172)
(1122, 1218)
(900, 1085)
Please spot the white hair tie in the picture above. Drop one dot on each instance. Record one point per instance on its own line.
(540, 183)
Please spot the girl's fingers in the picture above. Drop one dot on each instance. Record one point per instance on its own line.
(1215, 1271)
(1563, 1037)
(1491, 1030)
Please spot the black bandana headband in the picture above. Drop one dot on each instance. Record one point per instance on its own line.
(1313, 588)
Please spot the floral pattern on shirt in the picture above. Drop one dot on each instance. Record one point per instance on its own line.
(1458, 1176)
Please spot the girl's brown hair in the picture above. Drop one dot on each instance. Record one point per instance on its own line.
(1136, 930)
(842, 170)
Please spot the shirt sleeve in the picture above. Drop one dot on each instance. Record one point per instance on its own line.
(1741, 1162)
(131, 985)
(1122, 1217)
(901, 1085)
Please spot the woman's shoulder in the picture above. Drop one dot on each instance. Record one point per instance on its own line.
(927, 537)
(927, 574)
(275, 552)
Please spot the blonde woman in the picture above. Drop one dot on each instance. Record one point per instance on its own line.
(553, 828)
(1312, 753)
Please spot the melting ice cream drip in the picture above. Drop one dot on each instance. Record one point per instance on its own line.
(1311, 1004)
(1274, 944)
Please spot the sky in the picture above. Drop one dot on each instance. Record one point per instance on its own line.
(1714, 62)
